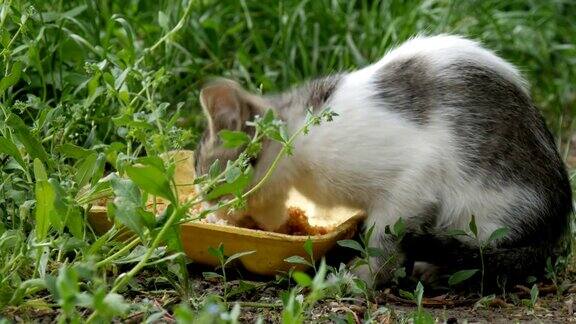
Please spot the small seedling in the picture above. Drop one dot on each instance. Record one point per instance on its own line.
(296, 305)
(224, 261)
(212, 311)
(420, 316)
(484, 302)
(464, 275)
(531, 303)
(345, 282)
(308, 248)
(552, 272)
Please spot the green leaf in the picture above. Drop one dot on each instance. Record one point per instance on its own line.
(232, 173)
(39, 171)
(237, 255)
(98, 190)
(115, 304)
(147, 217)
(399, 228)
(75, 222)
(127, 201)
(51, 16)
(296, 259)
(214, 170)
(406, 294)
(61, 208)
(127, 27)
(99, 169)
(375, 252)
(236, 187)
(419, 293)
(31, 143)
(368, 234)
(461, 276)
(152, 180)
(173, 239)
(12, 77)
(302, 279)
(217, 252)
(233, 139)
(534, 294)
(9, 148)
(44, 206)
(163, 20)
(121, 79)
(67, 284)
(275, 134)
(498, 234)
(86, 170)
(183, 313)
(319, 278)
(137, 255)
(25, 287)
(308, 247)
(243, 287)
(268, 117)
(359, 262)
(211, 275)
(351, 244)
(154, 161)
(74, 151)
(400, 273)
(473, 227)
(423, 317)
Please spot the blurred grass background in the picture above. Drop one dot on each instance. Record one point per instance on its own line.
(274, 44)
(278, 43)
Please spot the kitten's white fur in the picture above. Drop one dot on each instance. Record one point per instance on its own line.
(371, 158)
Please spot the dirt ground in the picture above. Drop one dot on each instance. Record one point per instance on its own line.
(551, 307)
(261, 300)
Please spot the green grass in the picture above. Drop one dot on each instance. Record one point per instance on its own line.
(88, 87)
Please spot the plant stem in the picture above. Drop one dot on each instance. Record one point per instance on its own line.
(142, 263)
(119, 253)
(482, 274)
(223, 265)
(129, 275)
(173, 31)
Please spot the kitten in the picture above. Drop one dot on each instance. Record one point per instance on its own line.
(438, 130)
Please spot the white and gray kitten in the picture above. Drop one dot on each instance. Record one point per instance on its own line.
(438, 130)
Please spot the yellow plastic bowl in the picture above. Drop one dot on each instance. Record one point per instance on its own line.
(270, 249)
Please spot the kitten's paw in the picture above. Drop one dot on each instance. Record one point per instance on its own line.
(426, 272)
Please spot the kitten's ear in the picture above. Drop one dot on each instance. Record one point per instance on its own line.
(228, 106)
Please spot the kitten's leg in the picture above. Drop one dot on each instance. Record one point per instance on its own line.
(382, 268)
